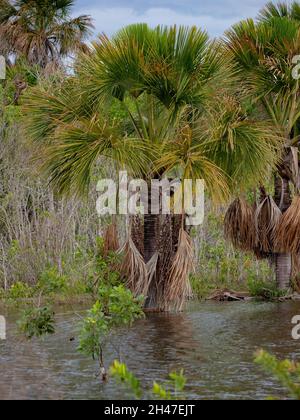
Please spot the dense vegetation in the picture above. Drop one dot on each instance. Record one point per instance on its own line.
(43, 233)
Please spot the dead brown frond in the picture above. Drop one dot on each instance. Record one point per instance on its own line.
(177, 287)
(111, 242)
(288, 232)
(134, 269)
(239, 225)
(267, 217)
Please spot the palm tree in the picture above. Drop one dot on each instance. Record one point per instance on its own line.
(165, 83)
(42, 31)
(263, 53)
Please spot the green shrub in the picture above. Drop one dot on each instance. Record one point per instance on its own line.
(263, 288)
(20, 290)
(37, 322)
(52, 282)
(201, 286)
(115, 308)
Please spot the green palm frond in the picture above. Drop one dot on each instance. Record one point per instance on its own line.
(174, 65)
(171, 113)
(279, 10)
(77, 148)
(46, 107)
(114, 67)
(246, 150)
(189, 158)
(272, 10)
(263, 54)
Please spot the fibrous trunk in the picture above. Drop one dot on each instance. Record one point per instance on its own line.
(283, 271)
(158, 256)
(283, 261)
(150, 247)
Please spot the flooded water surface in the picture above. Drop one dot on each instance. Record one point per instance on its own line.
(214, 343)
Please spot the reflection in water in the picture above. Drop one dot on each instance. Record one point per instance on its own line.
(170, 338)
(214, 343)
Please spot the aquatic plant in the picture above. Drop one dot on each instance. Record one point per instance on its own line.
(286, 372)
(116, 307)
(37, 322)
(169, 391)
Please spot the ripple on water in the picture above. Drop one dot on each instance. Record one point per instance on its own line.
(214, 343)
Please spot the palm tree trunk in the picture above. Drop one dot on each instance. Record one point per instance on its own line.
(151, 225)
(283, 262)
(150, 247)
(283, 271)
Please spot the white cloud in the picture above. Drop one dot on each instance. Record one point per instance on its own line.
(110, 20)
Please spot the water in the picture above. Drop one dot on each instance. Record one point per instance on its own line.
(213, 342)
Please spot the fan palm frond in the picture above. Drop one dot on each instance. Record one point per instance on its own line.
(192, 163)
(263, 54)
(279, 10)
(46, 107)
(77, 147)
(174, 65)
(244, 148)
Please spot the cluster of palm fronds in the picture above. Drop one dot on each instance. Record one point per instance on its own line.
(265, 230)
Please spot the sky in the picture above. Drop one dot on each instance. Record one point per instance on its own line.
(213, 15)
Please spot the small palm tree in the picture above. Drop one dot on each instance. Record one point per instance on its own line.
(41, 30)
(263, 53)
(165, 83)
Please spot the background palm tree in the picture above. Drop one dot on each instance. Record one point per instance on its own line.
(263, 52)
(41, 31)
(165, 84)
